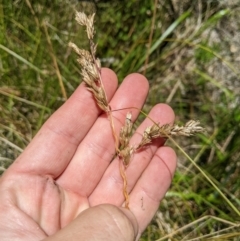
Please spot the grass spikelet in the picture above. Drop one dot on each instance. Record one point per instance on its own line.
(155, 131)
(125, 132)
(87, 21)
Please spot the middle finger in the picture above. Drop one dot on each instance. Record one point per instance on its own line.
(97, 149)
(110, 188)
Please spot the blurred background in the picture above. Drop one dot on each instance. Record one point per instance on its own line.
(190, 53)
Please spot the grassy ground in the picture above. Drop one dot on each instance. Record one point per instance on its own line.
(189, 50)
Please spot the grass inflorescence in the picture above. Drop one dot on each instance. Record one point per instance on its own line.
(91, 75)
(192, 49)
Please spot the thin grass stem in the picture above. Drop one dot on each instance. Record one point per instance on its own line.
(207, 177)
(64, 94)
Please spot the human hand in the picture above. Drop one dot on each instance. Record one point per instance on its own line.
(55, 189)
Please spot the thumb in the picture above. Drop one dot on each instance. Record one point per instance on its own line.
(104, 222)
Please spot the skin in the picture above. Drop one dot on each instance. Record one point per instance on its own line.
(66, 184)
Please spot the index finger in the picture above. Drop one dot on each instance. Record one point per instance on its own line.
(54, 145)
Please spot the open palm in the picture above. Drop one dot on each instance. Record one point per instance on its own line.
(69, 166)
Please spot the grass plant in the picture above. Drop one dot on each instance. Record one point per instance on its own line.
(189, 51)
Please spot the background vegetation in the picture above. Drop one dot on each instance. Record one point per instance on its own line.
(189, 51)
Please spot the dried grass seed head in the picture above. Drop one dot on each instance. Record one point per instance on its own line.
(190, 128)
(81, 52)
(89, 69)
(126, 155)
(87, 21)
(155, 131)
(101, 99)
(125, 132)
(150, 133)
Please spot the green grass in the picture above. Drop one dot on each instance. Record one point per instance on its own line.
(193, 65)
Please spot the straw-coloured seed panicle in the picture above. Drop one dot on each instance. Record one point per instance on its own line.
(190, 128)
(126, 154)
(81, 52)
(125, 132)
(87, 21)
(155, 131)
(99, 95)
(91, 75)
(150, 133)
(86, 61)
(90, 69)
(91, 72)
(126, 151)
